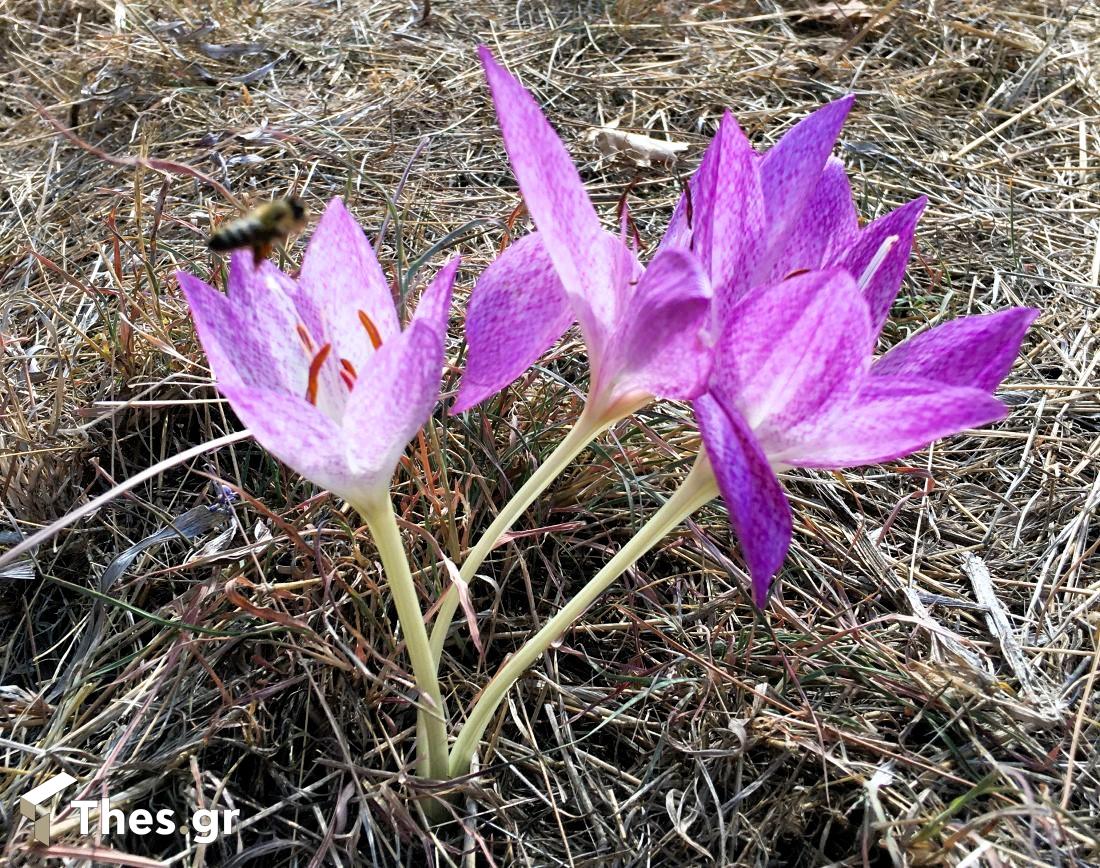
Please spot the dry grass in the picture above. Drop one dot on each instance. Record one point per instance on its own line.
(878, 714)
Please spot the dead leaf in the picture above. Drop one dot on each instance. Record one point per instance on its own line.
(634, 148)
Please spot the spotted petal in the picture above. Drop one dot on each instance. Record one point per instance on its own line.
(892, 417)
(827, 226)
(341, 277)
(790, 172)
(556, 199)
(878, 258)
(517, 311)
(435, 304)
(728, 210)
(658, 348)
(976, 351)
(296, 433)
(397, 392)
(759, 512)
(247, 344)
(791, 353)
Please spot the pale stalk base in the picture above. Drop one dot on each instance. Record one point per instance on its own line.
(580, 435)
(698, 489)
(432, 749)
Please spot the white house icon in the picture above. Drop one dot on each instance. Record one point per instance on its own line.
(37, 805)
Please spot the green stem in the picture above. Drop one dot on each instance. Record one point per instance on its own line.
(699, 488)
(588, 427)
(380, 518)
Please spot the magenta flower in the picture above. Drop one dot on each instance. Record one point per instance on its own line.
(754, 219)
(641, 325)
(794, 385)
(319, 368)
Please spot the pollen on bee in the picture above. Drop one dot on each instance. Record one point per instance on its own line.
(315, 372)
(372, 329)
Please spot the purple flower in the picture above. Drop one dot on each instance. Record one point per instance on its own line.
(801, 292)
(642, 326)
(754, 219)
(794, 385)
(319, 368)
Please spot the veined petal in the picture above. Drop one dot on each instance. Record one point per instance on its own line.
(678, 231)
(658, 348)
(759, 512)
(395, 395)
(729, 216)
(975, 351)
(253, 345)
(878, 258)
(827, 227)
(701, 188)
(340, 277)
(554, 194)
(893, 417)
(296, 433)
(262, 288)
(791, 170)
(517, 311)
(435, 304)
(791, 353)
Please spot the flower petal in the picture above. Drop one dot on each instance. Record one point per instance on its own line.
(340, 277)
(893, 417)
(658, 348)
(435, 304)
(247, 343)
(393, 398)
(791, 353)
(878, 274)
(518, 309)
(296, 433)
(975, 351)
(791, 170)
(728, 214)
(827, 227)
(702, 186)
(555, 197)
(759, 512)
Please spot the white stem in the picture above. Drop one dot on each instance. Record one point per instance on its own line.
(380, 517)
(699, 488)
(589, 426)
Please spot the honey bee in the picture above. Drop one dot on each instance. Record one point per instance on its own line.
(261, 228)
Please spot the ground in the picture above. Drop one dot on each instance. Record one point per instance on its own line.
(922, 690)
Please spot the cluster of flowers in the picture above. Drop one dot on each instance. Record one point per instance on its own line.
(761, 306)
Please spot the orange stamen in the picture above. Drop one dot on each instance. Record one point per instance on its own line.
(348, 381)
(349, 367)
(315, 371)
(304, 337)
(372, 329)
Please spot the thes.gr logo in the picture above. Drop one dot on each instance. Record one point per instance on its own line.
(37, 805)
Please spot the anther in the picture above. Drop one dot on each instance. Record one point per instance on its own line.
(348, 374)
(315, 371)
(372, 329)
